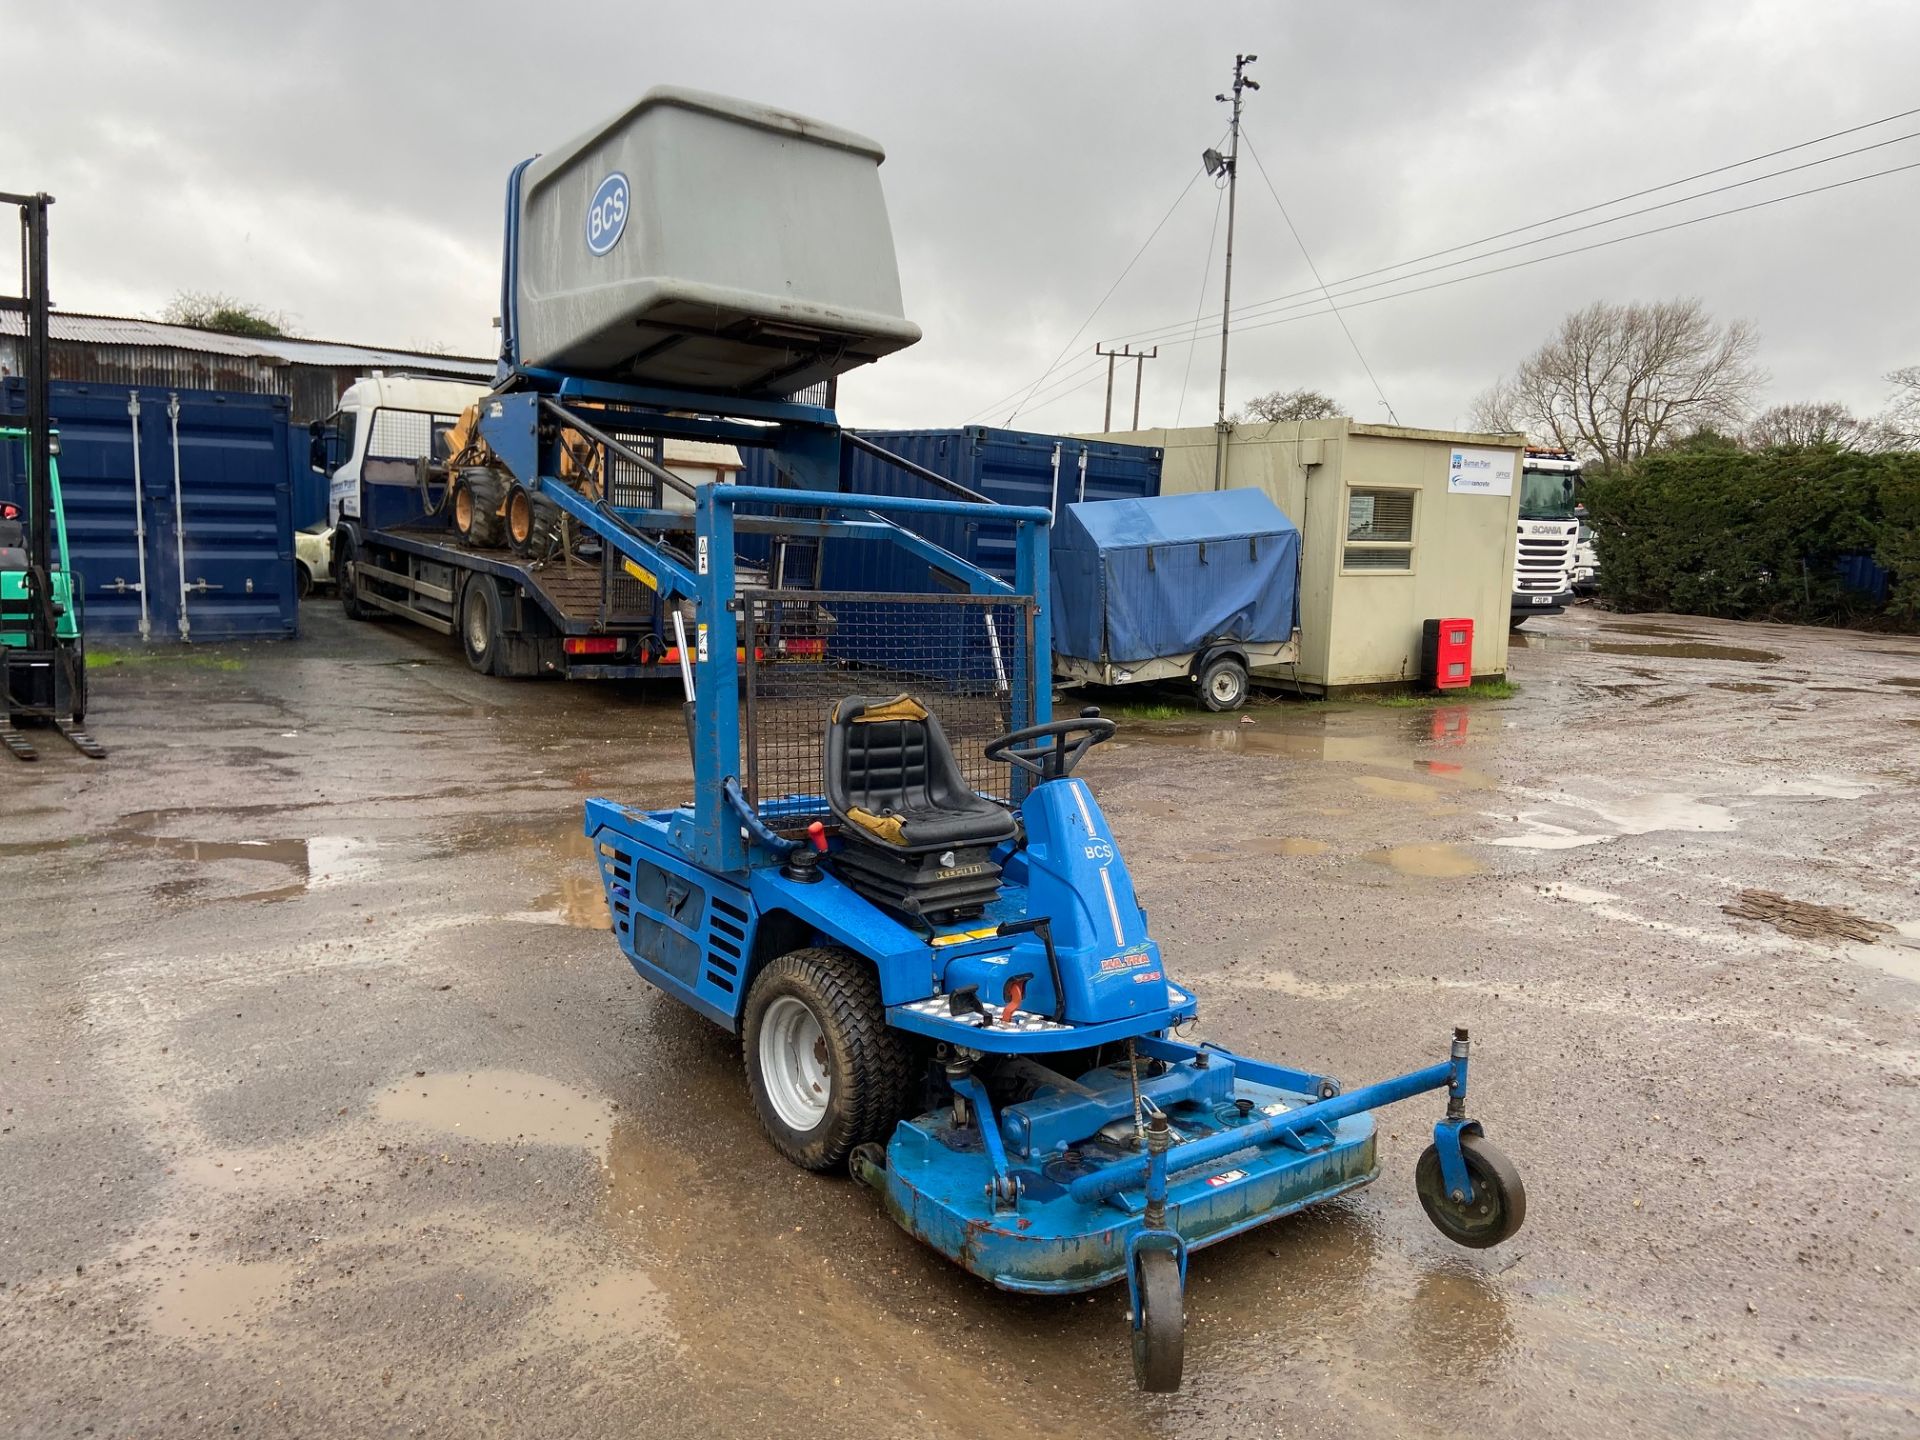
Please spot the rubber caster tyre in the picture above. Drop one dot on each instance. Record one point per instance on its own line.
(1160, 1337)
(826, 1072)
(1223, 684)
(480, 624)
(1499, 1203)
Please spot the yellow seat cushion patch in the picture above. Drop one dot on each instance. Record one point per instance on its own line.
(886, 827)
(901, 707)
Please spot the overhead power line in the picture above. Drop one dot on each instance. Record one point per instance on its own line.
(1574, 250)
(1586, 210)
(1176, 334)
(1344, 329)
(1279, 301)
(1110, 289)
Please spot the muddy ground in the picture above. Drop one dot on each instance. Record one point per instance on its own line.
(328, 1110)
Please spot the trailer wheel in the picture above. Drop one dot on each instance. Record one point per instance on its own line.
(344, 558)
(480, 623)
(826, 1071)
(1223, 684)
(1499, 1201)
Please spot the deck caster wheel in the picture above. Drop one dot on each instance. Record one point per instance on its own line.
(1499, 1201)
(1160, 1329)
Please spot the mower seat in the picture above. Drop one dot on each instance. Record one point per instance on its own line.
(918, 836)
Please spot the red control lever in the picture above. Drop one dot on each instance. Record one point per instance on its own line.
(817, 836)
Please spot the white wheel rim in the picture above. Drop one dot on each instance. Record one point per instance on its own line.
(1226, 685)
(794, 1065)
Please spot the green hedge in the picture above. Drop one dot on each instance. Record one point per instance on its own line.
(1714, 530)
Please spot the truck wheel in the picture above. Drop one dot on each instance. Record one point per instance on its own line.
(1223, 684)
(1516, 622)
(826, 1071)
(480, 623)
(302, 581)
(477, 494)
(345, 555)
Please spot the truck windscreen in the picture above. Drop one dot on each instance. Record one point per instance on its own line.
(1547, 494)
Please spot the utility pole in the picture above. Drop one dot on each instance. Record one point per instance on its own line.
(1230, 164)
(1139, 358)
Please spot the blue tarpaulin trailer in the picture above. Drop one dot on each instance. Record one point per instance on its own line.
(1202, 587)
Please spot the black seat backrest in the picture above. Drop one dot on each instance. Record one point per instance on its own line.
(889, 756)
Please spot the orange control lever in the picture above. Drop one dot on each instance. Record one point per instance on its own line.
(1015, 992)
(817, 836)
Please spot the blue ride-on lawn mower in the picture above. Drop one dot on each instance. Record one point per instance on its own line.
(894, 887)
(890, 881)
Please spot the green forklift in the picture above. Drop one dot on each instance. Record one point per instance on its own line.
(43, 660)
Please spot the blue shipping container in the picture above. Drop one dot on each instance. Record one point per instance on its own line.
(1013, 467)
(214, 501)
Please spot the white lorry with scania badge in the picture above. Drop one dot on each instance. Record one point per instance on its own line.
(1549, 528)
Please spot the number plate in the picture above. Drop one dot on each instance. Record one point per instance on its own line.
(1543, 599)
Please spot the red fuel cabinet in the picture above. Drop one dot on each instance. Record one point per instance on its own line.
(1446, 654)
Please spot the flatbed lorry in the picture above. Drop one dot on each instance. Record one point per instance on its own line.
(562, 605)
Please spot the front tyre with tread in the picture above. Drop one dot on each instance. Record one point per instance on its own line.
(826, 1071)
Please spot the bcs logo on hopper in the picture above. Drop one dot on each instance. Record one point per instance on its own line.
(607, 215)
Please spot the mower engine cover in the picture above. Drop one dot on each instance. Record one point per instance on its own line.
(1074, 875)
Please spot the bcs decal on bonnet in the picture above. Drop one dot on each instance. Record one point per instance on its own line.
(607, 214)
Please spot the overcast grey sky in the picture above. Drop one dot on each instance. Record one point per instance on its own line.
(345, 163)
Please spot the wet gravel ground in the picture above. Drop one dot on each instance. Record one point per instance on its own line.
(328, 1110)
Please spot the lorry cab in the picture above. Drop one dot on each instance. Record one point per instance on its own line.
(384, 424)
(1548, 534)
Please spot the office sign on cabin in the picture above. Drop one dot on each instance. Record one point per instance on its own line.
(1481, 472)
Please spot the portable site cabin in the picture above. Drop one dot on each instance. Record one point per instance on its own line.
(1200, 586)
(1397, 526)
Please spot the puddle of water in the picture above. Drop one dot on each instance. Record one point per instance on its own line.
(1905, 682)
(1387, 789)
(217, 1300)
(500, 1107)
(1822, 787)
(1669, 631)
(1898, 954)
(1687, 652)
(613, 1306)
(1662, 701)
(1396, 751)
(1742, 687)
(581, 901)
(1432, 861)
(313, 862)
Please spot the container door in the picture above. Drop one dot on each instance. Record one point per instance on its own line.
(226, 532)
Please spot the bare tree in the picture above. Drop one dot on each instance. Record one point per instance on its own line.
(1300, 404)
(1806, 423)
(1902, 418)
(1618, 380)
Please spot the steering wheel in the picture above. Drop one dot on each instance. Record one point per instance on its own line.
(1051, 762)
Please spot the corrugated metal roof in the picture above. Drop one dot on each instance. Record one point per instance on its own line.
(130, 330)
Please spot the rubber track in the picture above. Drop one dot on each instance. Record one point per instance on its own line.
(850, 986)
